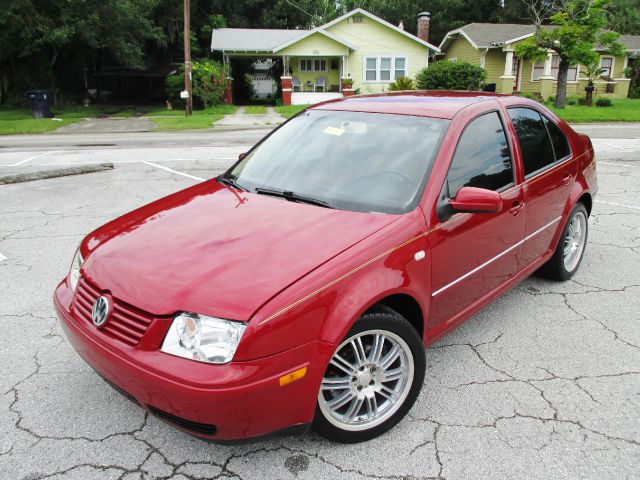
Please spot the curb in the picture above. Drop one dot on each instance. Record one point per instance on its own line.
(61, 172)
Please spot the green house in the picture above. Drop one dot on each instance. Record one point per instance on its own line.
(357, 51)
(491, 46)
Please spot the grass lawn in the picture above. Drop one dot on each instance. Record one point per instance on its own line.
(19, 120)
(255, 109)
(186, 123)
(33, 125)
(161, 111)
(622, 110)
(289, 111)
(177, 120)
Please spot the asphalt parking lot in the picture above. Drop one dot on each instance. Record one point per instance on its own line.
(544, 383)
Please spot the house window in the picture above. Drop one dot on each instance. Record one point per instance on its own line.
(305, 65)
(400, 69)
(384, 69)
(538, 70)
(371, 69)
(313, 65)
(606, 66)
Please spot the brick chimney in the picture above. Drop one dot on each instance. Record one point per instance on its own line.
(423, 26)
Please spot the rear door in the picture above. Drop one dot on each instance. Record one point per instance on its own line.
(472, 253)
(549, 174)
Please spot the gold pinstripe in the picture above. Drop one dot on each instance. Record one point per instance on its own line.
(348, 274)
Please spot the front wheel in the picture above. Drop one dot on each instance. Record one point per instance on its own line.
(372, 380)
(568, 255)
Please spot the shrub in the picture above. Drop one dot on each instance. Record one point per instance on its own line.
(402, 83)
(208, 84)
(447, 75)
(571, 101)
(603, 102)
(582, 101)
(528, 95)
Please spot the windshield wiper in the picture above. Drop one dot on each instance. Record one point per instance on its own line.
(231, 182)
(293, 197)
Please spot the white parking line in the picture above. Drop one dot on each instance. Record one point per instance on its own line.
(33, 157)
(163, 160)
(618, 164)
(616, 146)
(618, 204)
(162, 167)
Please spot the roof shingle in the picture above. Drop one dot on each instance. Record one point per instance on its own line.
(251, 39)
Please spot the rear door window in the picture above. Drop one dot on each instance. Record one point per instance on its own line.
(482, 158)
(558, 139)
(535, 144)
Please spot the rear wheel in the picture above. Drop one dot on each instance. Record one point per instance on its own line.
(372, 380)
(570, 249)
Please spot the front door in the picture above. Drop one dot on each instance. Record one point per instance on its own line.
(473, 254)
(549, 175)
(515, 71)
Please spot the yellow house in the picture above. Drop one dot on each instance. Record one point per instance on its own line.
(491, 46)
(355, 52)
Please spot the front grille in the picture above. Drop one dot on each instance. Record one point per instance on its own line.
(126, 323)
(201, 428)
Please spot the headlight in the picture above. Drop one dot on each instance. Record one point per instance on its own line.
(202, 338)
(74, 271)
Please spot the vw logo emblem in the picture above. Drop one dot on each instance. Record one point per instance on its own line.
(100, 311)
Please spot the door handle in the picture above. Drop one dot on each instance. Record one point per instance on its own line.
(566, 178)
(516, 206)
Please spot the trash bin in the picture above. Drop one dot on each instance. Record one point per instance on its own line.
(40, 103)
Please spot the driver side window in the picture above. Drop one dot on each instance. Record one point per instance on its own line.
(482, 158)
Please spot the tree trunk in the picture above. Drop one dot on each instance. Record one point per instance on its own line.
(561, 93)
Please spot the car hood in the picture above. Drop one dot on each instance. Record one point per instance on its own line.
(217, 251)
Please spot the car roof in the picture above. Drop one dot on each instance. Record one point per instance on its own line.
(423, 103)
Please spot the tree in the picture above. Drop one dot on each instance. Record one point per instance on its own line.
(624, 16)
(447, 75)
(208, 84)
(41, 33)
(577, 30)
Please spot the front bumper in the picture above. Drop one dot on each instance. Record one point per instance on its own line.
(235, 401)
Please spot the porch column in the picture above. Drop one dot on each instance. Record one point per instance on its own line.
(507, 80)
(546, 81)
(346, 82)
(285, 81)
(227, 97)
(621, 88)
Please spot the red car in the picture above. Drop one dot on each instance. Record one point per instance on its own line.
(300, 287)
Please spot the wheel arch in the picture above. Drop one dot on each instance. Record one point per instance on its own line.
(587, 201)
(404, 305)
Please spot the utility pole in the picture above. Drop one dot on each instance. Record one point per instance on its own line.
(187, 57)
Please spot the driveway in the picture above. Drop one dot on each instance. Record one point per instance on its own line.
(543, 383)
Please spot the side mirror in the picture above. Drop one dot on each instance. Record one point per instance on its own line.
(476, 200)
(242, 155)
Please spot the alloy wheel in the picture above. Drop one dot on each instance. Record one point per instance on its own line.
(367, 380)
(574, 241)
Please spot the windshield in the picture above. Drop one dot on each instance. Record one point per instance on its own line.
(365, 162)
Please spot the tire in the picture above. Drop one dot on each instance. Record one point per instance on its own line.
(568, 255)
(356, 400)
